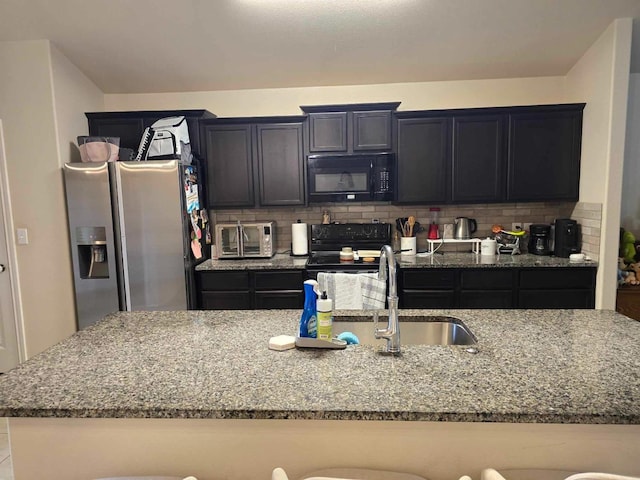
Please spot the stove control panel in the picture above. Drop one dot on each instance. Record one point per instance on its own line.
(357, 235)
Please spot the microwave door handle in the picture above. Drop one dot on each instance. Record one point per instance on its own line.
(372, 180)
(240, 241)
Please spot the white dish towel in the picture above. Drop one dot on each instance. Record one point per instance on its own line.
(374, 291)
(353, 291)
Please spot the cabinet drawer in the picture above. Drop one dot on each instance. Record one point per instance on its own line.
(556, 299)
(428, 279)
(236, 280)
(486, 299)
(428, 299)
(274, 300)
(486, 279)
(557, 278)
(279, 280)
(225, 301)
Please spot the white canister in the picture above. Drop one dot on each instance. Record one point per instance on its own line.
(408, 246)
(488, 247)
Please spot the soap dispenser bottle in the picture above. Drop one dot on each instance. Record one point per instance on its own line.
(325, 317)
(309, 318)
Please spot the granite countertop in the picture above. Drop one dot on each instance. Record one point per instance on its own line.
(471, 260)
(438, 260)
(280, 261)
(535, 366)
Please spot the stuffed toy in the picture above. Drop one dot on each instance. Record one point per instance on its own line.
(626, 276)
(635, 267)
(627, 246)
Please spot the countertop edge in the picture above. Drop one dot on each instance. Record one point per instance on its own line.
(479, 417)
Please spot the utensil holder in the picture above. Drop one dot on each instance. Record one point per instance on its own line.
(408, 246)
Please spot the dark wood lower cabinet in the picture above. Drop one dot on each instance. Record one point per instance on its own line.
(250, 289)
(432, 288)
(275, 300)
(557, 288)
(537, 287)
(485, 299)
(225, 301)
(556, 299)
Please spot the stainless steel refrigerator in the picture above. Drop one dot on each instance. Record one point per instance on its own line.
(135, 236)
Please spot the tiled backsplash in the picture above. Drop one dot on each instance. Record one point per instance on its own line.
(589, 216)
(486, 215)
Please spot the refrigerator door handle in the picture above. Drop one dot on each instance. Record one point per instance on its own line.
(126, 281)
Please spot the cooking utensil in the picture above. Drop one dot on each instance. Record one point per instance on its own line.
(411, 222)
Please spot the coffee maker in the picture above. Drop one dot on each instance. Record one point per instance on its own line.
(539, 239)
(566, 237)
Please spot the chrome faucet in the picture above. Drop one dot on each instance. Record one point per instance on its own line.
(392, 332)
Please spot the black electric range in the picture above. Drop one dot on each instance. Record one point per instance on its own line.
(327, 241)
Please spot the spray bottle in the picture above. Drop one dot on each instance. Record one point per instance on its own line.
(309, 318)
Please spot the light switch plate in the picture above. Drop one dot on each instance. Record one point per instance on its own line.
(23, 236)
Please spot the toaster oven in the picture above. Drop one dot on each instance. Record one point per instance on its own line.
(245, 240)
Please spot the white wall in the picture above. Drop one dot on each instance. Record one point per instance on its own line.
(74, 94)
(28, 110)
(600, 78)
(630, 209)
(414, 96)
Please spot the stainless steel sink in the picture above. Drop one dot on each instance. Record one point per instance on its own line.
(424, 330)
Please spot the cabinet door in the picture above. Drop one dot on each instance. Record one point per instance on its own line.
(479, 167)
(557, 288)
(328, 132)
(129, 130)
(485, 299)
(226, 301)
(279, 299)
(229, 165)
(427, 299)
(371, 130)
(279, 280)
(280, 164)
(423, 160)
(544, 155)
(556, 299)
(224, 290)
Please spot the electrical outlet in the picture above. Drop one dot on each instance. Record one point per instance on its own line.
(515, 226)
(527, 226)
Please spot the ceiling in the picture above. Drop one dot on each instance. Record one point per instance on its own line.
(152, 46)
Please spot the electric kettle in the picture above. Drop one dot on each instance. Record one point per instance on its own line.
(464, 227)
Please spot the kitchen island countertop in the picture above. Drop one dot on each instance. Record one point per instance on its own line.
(438, 260)
(533, 366)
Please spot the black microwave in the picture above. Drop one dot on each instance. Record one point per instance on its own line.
(358, 178)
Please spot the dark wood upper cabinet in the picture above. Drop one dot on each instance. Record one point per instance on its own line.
(544, 153)
(502, 154)
(478, 158)
(129, 126)
(353, 128)
(280, 164)
(372, 130)
(254, 161)
(328, 132)
(229, 161)
(423, 159)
